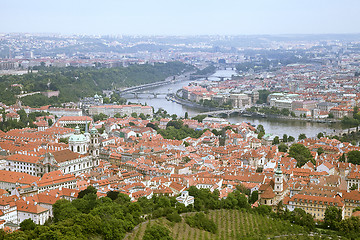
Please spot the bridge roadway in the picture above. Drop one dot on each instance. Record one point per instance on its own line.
(183, 77)
(155, 94)
(145, 86)
(227, 112)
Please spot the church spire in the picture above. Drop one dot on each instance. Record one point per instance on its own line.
(86, 127)
(278, 169)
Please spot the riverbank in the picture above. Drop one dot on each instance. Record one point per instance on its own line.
(187, 103)
(274, 126)
(221, 112)
(316, 120)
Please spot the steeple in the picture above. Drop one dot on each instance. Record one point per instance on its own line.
(279, 186)
(86, 127)
(278, 171)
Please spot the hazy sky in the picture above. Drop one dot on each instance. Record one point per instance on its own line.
(180, 17)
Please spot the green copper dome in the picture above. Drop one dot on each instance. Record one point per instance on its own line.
(77, 138)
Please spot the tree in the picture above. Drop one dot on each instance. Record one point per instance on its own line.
(301, 153)
(350, 227)
(353, 157)
(199, 220)
(285, 138)
(333, 217)
(106, 100)
(291, 139)
(186, 115)
(282, 147)
(260, 135)
(275, 140)
(134, 115)
(142, 116)
(199, 118)
(320, 135)
(302, 136)
(174, 117)
(260, 128)
(175, 123)
(64, 209)
(300, 217)
(354, 187)
(27, 224)
(50, 122)
(157, 232)
(113, 195)
(285, 112)
(241, 188)
(254, 197)
(173, 217)
(152, 125)
(99, 117)
(89, 190)
(320, 151)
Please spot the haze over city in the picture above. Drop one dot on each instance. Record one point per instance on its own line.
(187, 17)
(179, 120)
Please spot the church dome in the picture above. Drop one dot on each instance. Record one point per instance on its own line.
(77, 138)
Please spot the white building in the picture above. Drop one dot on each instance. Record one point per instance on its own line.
(111, 110)
(185, 198)
(35, 212)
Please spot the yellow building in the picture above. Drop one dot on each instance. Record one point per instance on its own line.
(314, 205)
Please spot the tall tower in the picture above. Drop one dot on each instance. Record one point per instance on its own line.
(279, 180)
(94, 145)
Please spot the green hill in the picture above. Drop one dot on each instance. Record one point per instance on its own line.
(233, 224)
(74, 83)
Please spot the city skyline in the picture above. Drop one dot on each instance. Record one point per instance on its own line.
(182, 18)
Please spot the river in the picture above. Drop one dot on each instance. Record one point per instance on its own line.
(274, 126)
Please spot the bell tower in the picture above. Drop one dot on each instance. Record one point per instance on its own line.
(279, 180)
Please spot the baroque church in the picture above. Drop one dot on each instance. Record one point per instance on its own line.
(81, 157)
(273, 191)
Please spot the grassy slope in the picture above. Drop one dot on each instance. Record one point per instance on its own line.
(233, 224)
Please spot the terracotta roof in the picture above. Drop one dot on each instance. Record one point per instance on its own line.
(29, 207)
(23, 158)
(17, 177)
(66, 155)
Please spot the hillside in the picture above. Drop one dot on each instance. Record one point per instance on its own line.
(233, 224)
(74, 83)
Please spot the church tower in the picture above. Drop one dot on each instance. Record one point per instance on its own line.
(94, 146)
(279, 180)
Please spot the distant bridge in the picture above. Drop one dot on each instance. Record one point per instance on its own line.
(223, 112)
(154, 94)
(141, 87)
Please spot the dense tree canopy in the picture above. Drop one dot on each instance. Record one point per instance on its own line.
(301, 153)
(74, 83)
(353, 157)
(333, 216)
(157, 232)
